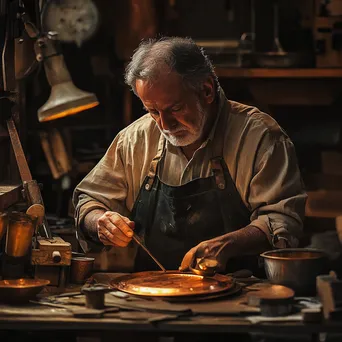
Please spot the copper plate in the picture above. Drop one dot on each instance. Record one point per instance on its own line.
(234, 290)
(171, 284)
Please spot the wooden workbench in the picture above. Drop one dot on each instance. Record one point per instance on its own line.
(220, 328)
(223, 316)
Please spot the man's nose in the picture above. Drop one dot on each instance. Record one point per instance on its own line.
(167, 122)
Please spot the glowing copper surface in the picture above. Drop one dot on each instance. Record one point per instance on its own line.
(171, 283)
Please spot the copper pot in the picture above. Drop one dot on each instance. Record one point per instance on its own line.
(3, 224)
(80, 270)
(296, 268)
(21, 228)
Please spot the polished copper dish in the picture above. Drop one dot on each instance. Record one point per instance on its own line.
(20, 290)
(234, 290)
(171, 284)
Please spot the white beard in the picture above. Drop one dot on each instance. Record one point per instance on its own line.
(190, 137)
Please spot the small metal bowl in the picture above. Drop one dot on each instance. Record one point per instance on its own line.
(16, 291)
(296, 268)
(205, 267)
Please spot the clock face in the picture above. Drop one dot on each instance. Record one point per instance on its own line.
(73, 20)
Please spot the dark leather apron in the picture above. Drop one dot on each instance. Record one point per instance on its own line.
(173, 219)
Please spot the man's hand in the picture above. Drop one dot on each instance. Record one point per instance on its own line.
(214, 248)
(114, 229)
(249, 240)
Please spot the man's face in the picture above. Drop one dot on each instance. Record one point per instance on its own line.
(180, 113)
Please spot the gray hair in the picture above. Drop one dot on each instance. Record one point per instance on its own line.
(181, 55)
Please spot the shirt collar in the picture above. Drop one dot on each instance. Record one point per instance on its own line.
(220, 113)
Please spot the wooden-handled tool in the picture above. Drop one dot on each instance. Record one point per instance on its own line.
(31, 188)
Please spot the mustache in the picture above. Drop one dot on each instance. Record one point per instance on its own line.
(174, 131)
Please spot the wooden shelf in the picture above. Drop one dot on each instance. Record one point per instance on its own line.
(9, 195)
(279, 73)
(324, 203)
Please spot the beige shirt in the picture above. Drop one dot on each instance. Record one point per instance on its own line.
(260, 157)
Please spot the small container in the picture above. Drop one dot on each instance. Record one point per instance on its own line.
(95, 296)
(80, 270)
(3, 224)
(21, 228)
(205, 267)
(296, 268)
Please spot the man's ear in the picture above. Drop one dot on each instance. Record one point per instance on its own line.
(208, 90)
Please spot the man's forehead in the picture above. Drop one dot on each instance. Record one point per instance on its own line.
(167, 91)
(163, 78)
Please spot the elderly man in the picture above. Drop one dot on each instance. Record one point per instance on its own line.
(198, 175)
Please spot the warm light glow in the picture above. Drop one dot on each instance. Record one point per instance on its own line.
(70, 111)
(155, 291)
(23, 283)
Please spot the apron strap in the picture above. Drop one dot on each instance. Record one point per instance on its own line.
(217, 168)
(154, 164)
(148, 185)
(217, 162)
(226, 187)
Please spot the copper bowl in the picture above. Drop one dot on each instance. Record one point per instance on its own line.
(3, 224)
(17, 291)
(296, 268)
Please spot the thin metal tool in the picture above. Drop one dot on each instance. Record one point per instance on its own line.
(139, 242)
(136, 238)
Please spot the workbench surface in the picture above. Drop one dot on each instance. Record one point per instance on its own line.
(197, 324)
(227, 315)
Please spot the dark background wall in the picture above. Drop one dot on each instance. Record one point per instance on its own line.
(309, 109)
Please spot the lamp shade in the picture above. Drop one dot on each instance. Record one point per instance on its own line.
(65, 98)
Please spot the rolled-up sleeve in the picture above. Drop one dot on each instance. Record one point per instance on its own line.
(105, 187)
(276, 194)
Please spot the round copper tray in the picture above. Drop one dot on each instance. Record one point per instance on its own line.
(234, 290)
(171, 284)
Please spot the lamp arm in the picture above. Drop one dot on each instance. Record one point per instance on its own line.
(30, 28)
(47, 49)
